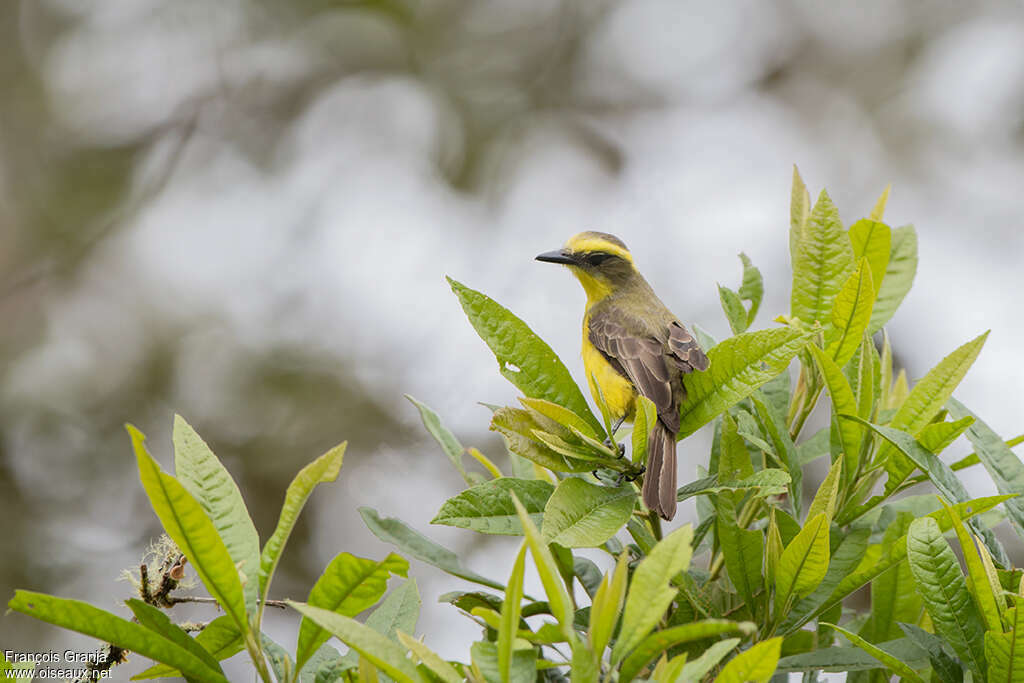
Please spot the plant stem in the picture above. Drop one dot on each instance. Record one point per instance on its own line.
(655, 522)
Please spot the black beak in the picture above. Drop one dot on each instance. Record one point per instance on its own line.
(556, 256)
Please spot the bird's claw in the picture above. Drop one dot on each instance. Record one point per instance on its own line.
(615, 446)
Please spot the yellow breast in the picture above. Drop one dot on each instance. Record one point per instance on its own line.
(619, 394)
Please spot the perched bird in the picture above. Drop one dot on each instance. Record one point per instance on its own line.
(632, 344)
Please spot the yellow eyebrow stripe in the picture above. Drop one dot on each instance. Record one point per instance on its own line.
(585, 244)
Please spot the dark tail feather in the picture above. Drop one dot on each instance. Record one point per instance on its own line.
(660, 479)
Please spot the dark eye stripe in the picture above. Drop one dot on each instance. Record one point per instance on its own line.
(596, 258)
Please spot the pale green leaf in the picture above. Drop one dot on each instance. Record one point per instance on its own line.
(879, 209)
(799, 212)
(843, 402)
(187, 524)
(347, 586)
(872, 241)
(430, 659)
(644, 419)
(511, 609)
(82, 617)
(755, 665)
(561, 415)
(851, 312)
(322, 470)
(803, 563)
(846, 659)
(650, 591)
(444, 438)
(383, 653)
(558, 597)
(485, 657)
(944, 590)
(734, 310)
(518, 427)
(893, 663)
(399, 534)
(157, 621)
(825, 499)
(696, 670)
(220, 638)
(523, 358)
(583, 515)
(899, 277)
(822, 263)
(660, 641)
(1004, 652)
(739, 365)
(980, 586)
(752, 289)
(743, 550)
(487, 508)
(607, 603)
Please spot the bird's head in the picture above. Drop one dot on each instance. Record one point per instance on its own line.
(601, 262)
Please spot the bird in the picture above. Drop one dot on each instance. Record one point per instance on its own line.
(632, 345)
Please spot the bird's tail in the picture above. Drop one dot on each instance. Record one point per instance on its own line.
(660, 479)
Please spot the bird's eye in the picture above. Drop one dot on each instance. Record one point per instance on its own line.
(597, 258)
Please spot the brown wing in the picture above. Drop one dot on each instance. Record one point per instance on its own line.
(686, 353)
(641, 359)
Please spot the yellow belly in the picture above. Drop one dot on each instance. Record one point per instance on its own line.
(619, 394)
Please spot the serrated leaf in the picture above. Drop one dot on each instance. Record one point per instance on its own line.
(944, 590)
(583, 515)
(205, 477)
(487, 508)
(803, 563)
(660, 641)
(650, 591)
(851, 312)
(399, 534)
(347, 586)
(894, 663)
(755, 665)
(322, 470)
(185, 521)
(444, 438)
(822, 263)
(523, 358)
(872, 241)
(383, 653)
(739, 365)
(82, 617)
(899, 277)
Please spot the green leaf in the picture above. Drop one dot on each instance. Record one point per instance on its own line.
(379, 650)
(607, 603)
(822, 263)
(739, 365)
(1002, 464)
(944, 590)
(399, 534)
(348, 586)
(847, 659)
(430, 659)
(879, 208)
(209, 482)
(651, 592)
(899, 277)
(755, 665)
(947, 483)
(851, 312)
(843, 401)
(774, 424)
(444, 438)
(743, 550)
(220, 638)
(82, 617)
(872, 241)
(322, 470)
(523, 358)
(487, 508)
(894, 597)
(1004, 652)
(583, 515)
(485, 657)
(187, 524)
(547, 569)
(399, 611)
(660, 641)
(734, 461)
(644, 418)
(734, 310)
(945, 667)
(519, 427)
(799, 212)
(752, 289)
(280, 661)
(511, 609)
(851, 551)
(981, 587)
(825, 499)
(562, 416)
(709, 659)
(158, 622)
(803, 563)
(893, 663)
(864, 373)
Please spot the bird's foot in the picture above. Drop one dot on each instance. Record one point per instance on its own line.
(635, 475)
(619, 448)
